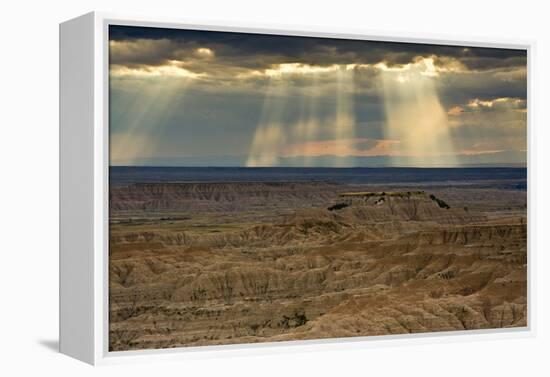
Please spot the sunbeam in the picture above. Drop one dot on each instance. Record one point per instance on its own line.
(144, 124)
(268, 186)
(415, 117)
(344, 127)
(307, 127)
(269, 136)
(271, 140)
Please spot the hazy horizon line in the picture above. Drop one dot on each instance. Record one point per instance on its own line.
(504, 165)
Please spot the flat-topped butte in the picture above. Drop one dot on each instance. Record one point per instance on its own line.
(365, 195)
(368, 194)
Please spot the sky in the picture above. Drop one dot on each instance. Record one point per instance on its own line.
(203, 98)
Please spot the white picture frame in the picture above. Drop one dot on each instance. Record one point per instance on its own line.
(84, 147)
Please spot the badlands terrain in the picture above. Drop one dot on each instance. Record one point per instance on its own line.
(209, 263)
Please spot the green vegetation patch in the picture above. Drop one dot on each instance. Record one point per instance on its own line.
(439, 202)
(367, 194)
(338, 206)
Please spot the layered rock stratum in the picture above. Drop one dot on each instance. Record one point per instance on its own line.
(220, 263)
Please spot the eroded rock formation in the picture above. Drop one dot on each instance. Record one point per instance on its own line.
(234, 263)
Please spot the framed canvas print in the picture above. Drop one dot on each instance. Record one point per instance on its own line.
(230, 187)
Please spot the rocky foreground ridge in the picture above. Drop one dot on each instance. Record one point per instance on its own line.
(333, 263)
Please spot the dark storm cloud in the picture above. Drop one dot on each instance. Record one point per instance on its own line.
(455, 89)
(197, 97)
(261, 51)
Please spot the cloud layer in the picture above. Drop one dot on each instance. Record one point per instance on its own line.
(217, 98)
